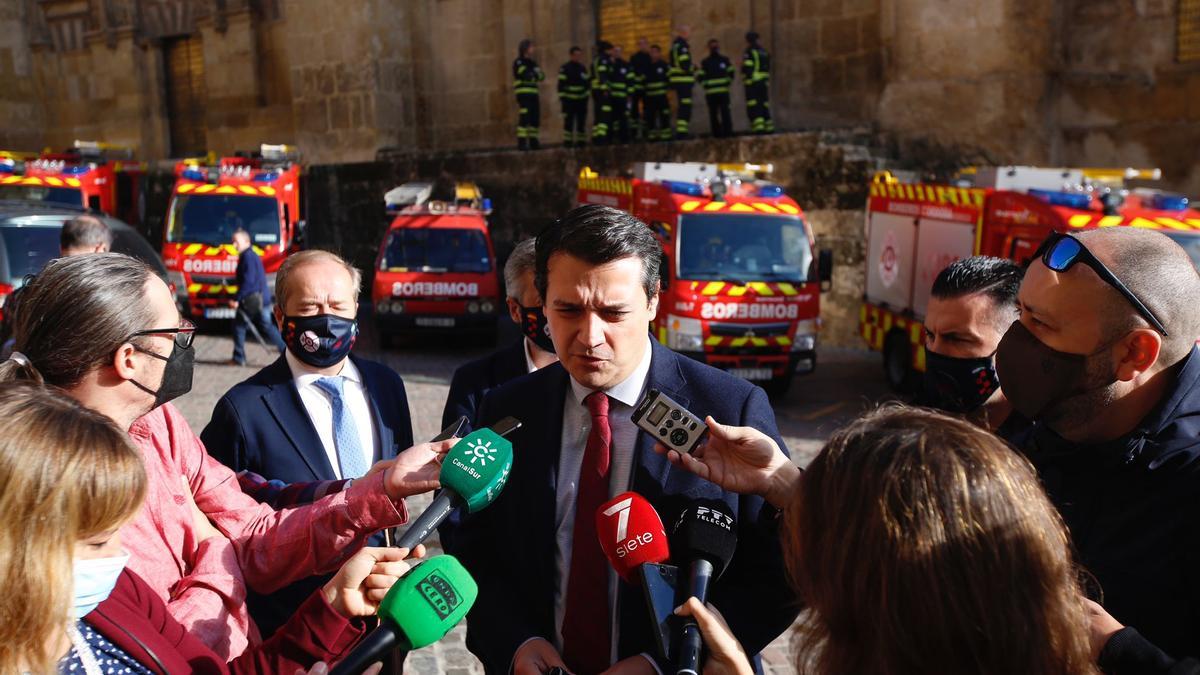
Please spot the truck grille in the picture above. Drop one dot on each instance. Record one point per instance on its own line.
(740, 329)
(199, 279)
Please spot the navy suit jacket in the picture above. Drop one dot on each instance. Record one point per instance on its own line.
(509, 547)
(261, 425)
(251, 277)
(474, 379)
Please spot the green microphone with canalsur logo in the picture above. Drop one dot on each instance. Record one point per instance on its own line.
(419, 610)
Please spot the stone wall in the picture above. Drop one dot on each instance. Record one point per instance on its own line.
(827, 174)
(20, 107)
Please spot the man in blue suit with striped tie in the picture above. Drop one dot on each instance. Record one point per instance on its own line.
(318, 413)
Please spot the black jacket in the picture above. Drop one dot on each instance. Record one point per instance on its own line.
(474, 379)
(1133, 509)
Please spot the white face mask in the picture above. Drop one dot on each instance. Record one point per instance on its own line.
(94, 581)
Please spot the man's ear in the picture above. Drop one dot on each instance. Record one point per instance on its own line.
(277, 312)
(1142, 348)
(123, 361)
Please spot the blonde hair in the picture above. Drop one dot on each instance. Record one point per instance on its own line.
(298, 260)
(926, 545)
(68, 474)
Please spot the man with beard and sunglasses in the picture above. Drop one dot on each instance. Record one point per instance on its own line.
(972, 303)
(1103, 360)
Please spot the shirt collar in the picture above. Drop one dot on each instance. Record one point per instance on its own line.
(303, 377)
(629, 390)
(530, 366)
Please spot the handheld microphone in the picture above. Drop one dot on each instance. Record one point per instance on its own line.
(704, 537)
(418, 611)
(473, 472)
(634, 540)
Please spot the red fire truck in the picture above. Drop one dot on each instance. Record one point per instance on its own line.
(740, 282)
(914, 230)
(258, 192)
(93, 175)
(436, 266)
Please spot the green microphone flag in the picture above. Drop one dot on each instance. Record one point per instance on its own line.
(428, 601)
(477, 468)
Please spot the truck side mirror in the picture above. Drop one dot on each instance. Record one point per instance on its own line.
(300, 231)
(825, 268)
(664, 274)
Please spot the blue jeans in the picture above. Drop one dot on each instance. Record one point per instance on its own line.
(265, 326)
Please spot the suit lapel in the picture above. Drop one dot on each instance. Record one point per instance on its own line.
(283, 401)
(382, 426)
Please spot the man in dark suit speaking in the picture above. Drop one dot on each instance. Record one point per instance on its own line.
(547, 597)
(318, 413)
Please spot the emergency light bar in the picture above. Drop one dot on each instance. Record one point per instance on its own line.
(97, 149)
(1072, 200)
(279, 152)
(408, 194)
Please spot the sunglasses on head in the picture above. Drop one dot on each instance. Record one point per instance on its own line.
(1061, 251)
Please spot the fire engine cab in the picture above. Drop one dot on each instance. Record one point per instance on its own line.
(436, 266)
(93, 175)
(914, 230)
(258, 192)
(740, 281)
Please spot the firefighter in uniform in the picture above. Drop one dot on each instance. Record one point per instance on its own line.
(640, 65)
(756, 73)
(618, 92)
(601, 104)
(526, 76)
(683, 80)
(716, 74)
(657, 115)
(573, 84)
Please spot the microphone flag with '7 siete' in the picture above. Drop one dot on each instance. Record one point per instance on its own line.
(424, 605)
(703, 541)
(473, 473)
(634, 540)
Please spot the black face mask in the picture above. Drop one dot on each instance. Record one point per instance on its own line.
(1037, 377)
(534, 326)
(321, 340)
(959, 385)
(176, 377)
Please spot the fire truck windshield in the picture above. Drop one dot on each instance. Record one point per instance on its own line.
(211, 219)
(741, 248)
(1190, 243)
(40, 193)
(436, 250)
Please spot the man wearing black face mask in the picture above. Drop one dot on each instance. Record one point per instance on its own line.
(1104, 361)
(972, 303)
(472, 380)
(318, 413)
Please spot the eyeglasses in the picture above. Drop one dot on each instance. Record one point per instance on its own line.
(1061, 251)
(183, 335)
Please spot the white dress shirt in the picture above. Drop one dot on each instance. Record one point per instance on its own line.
(577, 423)
(319, 405)
(530, 366)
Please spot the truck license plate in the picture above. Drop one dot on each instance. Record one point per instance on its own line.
(752, 374)
(219, 313)
(435, 322)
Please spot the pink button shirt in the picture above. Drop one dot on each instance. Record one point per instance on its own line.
(204, 583)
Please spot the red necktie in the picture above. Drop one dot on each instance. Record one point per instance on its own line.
(587, 640)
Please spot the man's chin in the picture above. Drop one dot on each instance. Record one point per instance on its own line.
(591, 373)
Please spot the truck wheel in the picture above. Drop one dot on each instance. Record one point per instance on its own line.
(897, 362)
(777, 387)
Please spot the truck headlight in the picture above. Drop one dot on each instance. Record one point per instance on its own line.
(804, 343)
(487, 306)
(684, 335)
(473, 307)
(383, 307)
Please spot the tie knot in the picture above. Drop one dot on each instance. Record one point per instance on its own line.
(597, 403)
(332, 385)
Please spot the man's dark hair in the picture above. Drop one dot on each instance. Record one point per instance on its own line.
(84, 232)
(752, 37)
(575, 49)
(598, 235)
(713, 43)
(656, 48)
(997, 278)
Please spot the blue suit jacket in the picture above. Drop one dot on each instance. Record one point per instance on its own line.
(251, 277)
(474, 379)
(509, 547)
(261, 425)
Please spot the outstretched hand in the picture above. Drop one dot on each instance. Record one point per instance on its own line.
(415, 470)
(742, 460)
(365, 579)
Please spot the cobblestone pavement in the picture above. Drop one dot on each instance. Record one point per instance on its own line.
(846, 382)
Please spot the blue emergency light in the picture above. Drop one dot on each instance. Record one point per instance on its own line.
(682, 188)
(194, 174)
(770, 190)
(266, 176)
(8, 167)
(487, 205)
(1164, 201)
(75, 170)
(1071, 200)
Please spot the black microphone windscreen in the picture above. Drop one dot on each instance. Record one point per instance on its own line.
(705, 529)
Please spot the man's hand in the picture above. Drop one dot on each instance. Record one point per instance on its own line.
(416, 469)
(358, 588)
(1101, 627)
(203, 526)
(319, 668)
(742, 460)
(634, 665)
(536, 657)
(725, 653)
